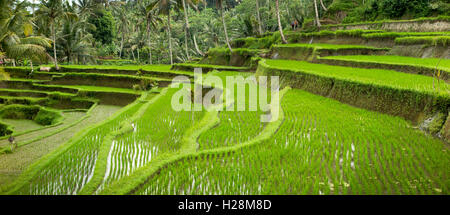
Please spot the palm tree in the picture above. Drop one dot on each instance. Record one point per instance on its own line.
(212, 29)
(283, 39)
(74, 42)
(151, 21)
(52, 10)
(85, 7)
(123, 23)
(164, 8)
(15, 31)
(186, 19)
(219, 4)
(317, 14)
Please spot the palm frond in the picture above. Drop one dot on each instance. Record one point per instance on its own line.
(37, 40)
(30, 51)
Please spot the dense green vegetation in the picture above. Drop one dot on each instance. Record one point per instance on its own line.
(89, 31)
(235, 127)
(40, 115)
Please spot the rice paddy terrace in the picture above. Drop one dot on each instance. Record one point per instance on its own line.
(359, 112)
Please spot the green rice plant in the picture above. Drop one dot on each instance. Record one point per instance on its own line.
(356, 32)
(154, 69)
(310, 52)
(296, 37)
(235, 127)
(253, 43)
(425, 40)
(118, 62)
(322, 147)
(158, 131)
(207, 66)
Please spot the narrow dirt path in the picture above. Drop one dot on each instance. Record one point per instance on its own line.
(11, 165)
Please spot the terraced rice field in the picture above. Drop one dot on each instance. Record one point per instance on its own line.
(235, 127)
(381, 77)
(322, 147)
(151, 136)
(70, 170)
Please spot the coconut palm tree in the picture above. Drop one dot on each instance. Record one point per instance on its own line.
(52, 11)
(123, 23)
(151, 21)
(164, 8)
(15, 34)
(277, 8)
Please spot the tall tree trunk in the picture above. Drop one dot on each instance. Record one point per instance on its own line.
(283, 39)
(186, 29)
(149, 42)
(317, 14)
(323, 6)
(170, 38)
(121, 44)
(54, 46)
(225, 27)
(258, 16)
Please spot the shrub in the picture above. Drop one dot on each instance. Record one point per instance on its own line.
(147, 84)
(47, 117)
(4, 130)
(39, 114)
